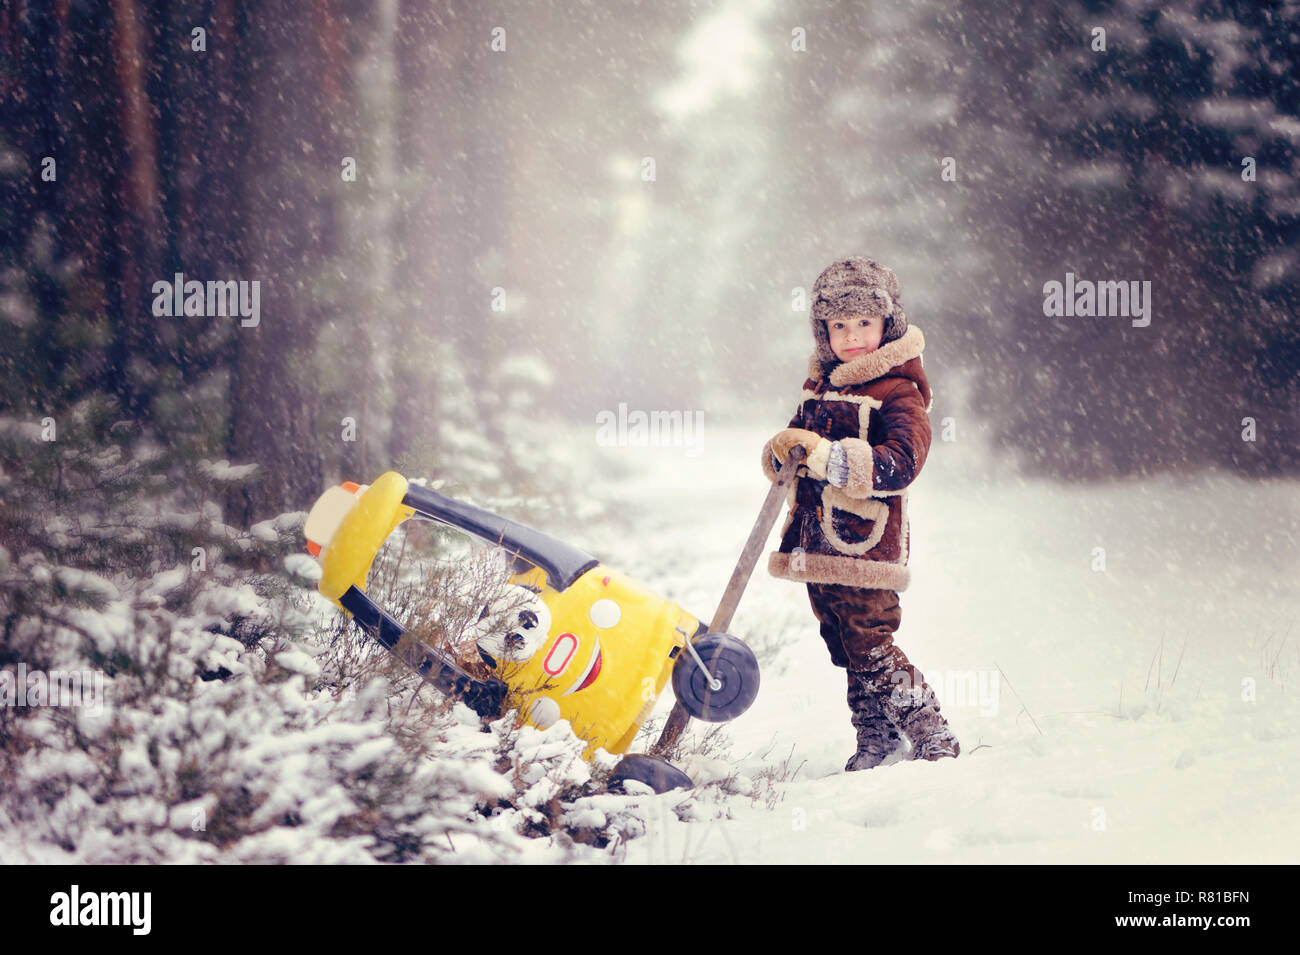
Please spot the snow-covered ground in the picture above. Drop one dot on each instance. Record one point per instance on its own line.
(1134, 704)
(1119, 660)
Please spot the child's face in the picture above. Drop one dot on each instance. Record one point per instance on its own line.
(855, 335)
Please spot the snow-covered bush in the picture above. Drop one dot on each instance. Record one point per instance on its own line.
(225, 711)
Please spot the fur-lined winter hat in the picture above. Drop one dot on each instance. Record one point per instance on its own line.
(856, 286)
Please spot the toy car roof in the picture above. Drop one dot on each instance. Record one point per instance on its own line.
(563, 563)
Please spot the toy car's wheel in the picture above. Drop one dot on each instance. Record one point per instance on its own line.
(659, 775)
(732, 664)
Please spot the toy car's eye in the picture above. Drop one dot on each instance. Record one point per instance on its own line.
(518, 639)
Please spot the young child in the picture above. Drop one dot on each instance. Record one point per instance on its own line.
(863, 421)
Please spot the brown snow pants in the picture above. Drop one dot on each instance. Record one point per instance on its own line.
(858, 625)
(887, 695)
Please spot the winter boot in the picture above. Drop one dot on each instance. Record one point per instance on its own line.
(877, 736)
(916, 713)
(909, 703)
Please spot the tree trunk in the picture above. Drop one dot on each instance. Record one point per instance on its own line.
(273, 410)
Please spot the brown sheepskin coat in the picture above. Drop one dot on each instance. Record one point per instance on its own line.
(877, 406)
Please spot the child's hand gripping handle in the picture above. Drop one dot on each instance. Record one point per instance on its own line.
(792, 461)
(786, 441)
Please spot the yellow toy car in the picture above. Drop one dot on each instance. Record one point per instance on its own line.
(590, 645)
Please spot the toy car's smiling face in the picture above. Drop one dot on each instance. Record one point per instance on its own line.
(567, 652)
(583, 651)
(570, 660)
(606, 660)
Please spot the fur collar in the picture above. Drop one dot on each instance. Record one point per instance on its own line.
(872, 365)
